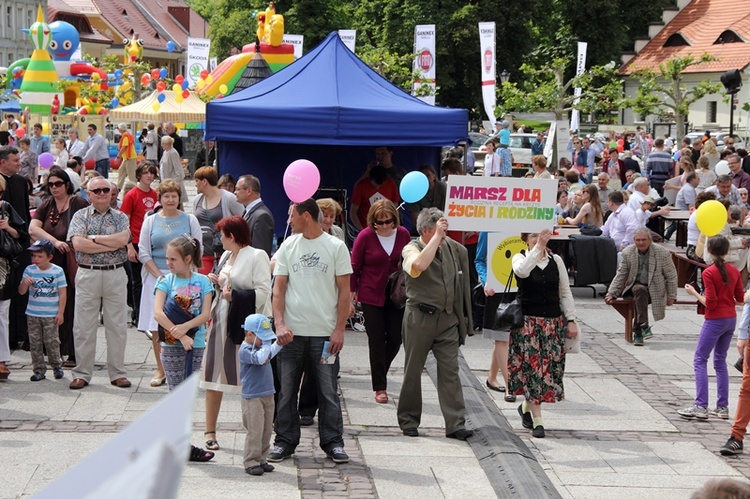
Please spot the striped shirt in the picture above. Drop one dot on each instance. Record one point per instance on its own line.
(44, 294)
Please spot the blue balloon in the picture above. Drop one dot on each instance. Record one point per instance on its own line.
(161, 97)
(115, 102)
(185, 84)
(163, 72)
(413, 187)
(118, 73)
(170, 46)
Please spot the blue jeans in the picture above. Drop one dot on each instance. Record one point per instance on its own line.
(290, 364)
(102, 166)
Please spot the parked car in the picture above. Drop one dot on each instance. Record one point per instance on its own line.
(520, 147)
(738, 142)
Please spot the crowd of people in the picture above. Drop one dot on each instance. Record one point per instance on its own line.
(213, 294)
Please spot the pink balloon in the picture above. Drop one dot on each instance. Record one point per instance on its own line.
(46, 160)
(301, 180)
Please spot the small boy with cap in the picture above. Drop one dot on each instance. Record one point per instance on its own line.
(257, 391)
(45, 282)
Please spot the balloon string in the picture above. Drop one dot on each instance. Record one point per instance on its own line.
(401, 205)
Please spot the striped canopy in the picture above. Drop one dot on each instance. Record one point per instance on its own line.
(191, 110)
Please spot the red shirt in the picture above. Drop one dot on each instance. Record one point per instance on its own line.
(136, 204)
(365, 194)
(371, 265)
(721, 296)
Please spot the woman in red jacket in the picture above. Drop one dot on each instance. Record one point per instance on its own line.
(376, 255)
(723, 290)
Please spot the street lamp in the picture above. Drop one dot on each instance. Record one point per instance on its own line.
(504, 76)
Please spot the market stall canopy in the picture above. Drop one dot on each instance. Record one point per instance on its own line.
(190, 110)
(9, 103)
(330, 97)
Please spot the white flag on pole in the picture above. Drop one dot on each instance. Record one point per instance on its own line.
(487, 50)
(424, 60)
(580, 68)
(349, 37)
(197, 58)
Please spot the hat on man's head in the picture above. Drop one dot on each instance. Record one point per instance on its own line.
(260, 325)
(43, 245)
(648, 199)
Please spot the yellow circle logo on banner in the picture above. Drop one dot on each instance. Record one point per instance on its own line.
(502, 256)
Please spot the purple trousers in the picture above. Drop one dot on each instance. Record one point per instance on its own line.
(716, 335)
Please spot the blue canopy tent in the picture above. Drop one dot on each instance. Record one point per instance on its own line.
(333, 109)
(9, 103)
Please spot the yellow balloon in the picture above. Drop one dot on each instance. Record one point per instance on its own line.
(176, 88)
(200, 83)
(178, 98)
(156, 106)
(711, 217)
(209, 78)
(95, 76)
(223, 89)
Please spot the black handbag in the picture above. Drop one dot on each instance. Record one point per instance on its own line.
(397, 287)
(509, 315)
(10, 248)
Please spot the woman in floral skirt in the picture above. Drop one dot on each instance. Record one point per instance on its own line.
(536, 362)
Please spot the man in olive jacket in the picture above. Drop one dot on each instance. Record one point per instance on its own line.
(437, 318)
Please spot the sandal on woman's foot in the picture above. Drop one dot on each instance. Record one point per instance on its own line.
(211, 444)
(510, 398)
(200, 455)
(158, 380)
(4, 371)
(381, 397)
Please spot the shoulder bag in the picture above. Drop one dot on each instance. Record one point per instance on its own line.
(10, 248)
(177, 315)
(397, 284)
(509, 315)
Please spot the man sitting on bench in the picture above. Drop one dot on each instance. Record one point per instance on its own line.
(647, 273)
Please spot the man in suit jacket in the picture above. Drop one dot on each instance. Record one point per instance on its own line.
(437, 318)
(257, 214)
(648, 273)
(17, 194)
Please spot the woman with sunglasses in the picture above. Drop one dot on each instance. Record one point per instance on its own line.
(157, 231)
(51, 221)
(376, 255)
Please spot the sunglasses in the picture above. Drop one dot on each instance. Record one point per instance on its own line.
(384, 222)
(100, 191)
(56, 184)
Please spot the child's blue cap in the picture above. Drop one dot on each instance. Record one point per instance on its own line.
(261, 326)
(43, 245)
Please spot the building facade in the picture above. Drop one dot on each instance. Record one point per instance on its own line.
(16, 15)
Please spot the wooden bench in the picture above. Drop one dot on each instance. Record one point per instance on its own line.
(686, 268)
(625, 308)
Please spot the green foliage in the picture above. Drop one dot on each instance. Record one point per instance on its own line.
(547, 89)
(663, 91)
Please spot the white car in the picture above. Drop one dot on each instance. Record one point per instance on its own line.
(520, 147)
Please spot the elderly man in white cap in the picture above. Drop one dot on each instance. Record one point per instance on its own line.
(126, 151)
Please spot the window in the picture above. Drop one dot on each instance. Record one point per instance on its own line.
(19, 20)
(9, 16)
(11, 59)
(676, 40)
(711, 111)
(728, 36)
(31, 17)
(2, 61)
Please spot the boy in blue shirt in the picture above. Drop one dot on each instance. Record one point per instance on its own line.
(257, 392)
(46, 285)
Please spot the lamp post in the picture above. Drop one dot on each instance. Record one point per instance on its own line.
(504, 76)
(732, 81)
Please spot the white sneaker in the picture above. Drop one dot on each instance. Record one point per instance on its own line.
(694, 411)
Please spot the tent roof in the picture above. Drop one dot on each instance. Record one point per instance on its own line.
(9, 103)
(191, 110)
(329, 96)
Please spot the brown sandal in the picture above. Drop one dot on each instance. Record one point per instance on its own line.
(4, 371)
(211, 444)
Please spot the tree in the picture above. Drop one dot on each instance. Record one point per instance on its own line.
(547, 89)
(664, 89)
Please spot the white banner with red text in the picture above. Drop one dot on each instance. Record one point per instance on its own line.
(487, 51)
(424, 63)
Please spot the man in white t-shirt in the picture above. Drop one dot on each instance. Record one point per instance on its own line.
(311, 306)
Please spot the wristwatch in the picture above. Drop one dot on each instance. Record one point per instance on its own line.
(571, 320)
(93, 238)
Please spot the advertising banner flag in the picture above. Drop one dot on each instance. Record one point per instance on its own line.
(514, 205)
(424, 61)
(562, 140)
(349, 37)
(487, 51)
(297, 41)
(580, 68)
(197, 58)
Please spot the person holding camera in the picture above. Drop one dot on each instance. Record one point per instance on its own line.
(437, 318)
